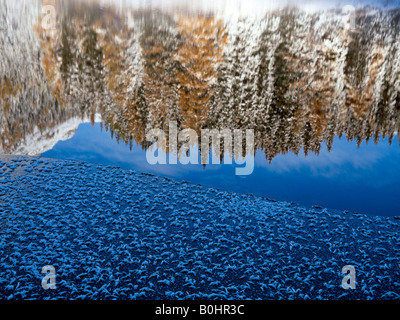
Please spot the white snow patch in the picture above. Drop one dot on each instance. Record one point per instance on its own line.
(40, 142)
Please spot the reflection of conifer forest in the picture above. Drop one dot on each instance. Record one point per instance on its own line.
(296, 78)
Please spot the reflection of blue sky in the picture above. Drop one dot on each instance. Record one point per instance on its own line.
(345, 161)
(364, 179)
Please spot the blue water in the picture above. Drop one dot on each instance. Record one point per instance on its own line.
(364, 180)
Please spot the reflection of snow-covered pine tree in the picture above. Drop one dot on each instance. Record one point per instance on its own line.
(27, 103)
(320, 62)
(203, 39)
(159, 46)
(287, 57)
(269, 41)
(385, 66)
(82, 65)
(123, 72)
(237, 91)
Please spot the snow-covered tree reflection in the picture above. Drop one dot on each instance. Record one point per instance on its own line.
(297, 78)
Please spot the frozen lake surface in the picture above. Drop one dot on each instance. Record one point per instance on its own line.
(112, 233)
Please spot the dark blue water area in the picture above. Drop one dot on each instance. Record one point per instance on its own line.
(361, 179)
